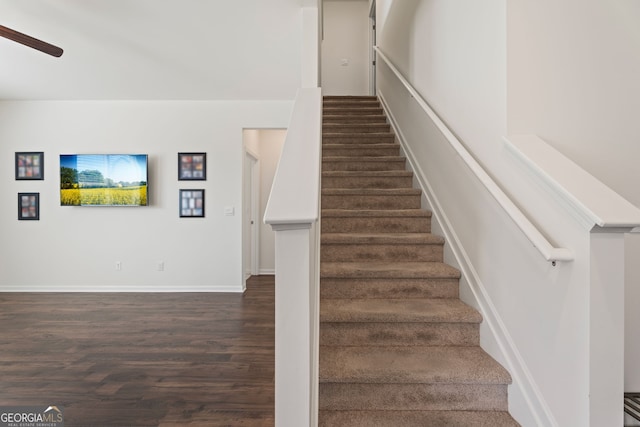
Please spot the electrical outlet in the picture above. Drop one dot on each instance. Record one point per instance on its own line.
(118, 265)
(161, 266)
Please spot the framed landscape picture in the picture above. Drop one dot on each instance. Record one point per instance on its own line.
(28, 206)
(30, 165)
(192, 166)
(192, 203)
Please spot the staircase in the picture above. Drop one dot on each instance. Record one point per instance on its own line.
(397, 346)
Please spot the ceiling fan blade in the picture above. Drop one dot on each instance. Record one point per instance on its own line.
(30, 41)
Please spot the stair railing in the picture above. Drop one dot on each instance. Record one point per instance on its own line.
(537, 239)
(293, 211)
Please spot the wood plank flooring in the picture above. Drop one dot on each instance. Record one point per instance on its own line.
(142, 359)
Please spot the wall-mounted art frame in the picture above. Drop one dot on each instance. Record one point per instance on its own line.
(28, 206)
(192, 166)
(192, 203)
(30, 165)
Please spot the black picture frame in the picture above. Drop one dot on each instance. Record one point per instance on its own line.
(30, 165)
(192, 166)
(28, 206)
(191, 203)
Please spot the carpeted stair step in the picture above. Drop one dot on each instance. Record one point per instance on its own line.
(363, 164)
(372, 221)
(357, 150)
(358, 138)
(386, 378)
(398, 322)
(389, 288)
(367, 179)
(350, 247)
(351, 103)
(364, 118)
(400, 198)
(351, 110)
(388, 270)
(356, 128)
(416, 419)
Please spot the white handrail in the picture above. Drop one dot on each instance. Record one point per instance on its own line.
(546, 249)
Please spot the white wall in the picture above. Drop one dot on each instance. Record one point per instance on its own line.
(75, 248)
(346, 38)
(573, 80)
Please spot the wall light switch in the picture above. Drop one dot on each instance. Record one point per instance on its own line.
(344, 62)
(229, 211)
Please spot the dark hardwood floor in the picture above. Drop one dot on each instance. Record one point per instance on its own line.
(134, 359)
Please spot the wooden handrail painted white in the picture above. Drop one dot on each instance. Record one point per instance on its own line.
(294, 197)
(293, 211)
(537, 239)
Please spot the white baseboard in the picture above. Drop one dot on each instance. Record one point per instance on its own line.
(267, 272)
(497, 332)
(111, 288)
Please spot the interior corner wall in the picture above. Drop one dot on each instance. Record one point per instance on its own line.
(76, 248)
(345, 47)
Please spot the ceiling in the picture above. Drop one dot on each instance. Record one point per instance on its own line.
(151, 49)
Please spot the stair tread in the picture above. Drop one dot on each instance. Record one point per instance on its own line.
(358, 135)
(394, 270)
(382, 238)
(371, 191)
(369, 213)
(416, 418)
(361, 159)
(359, 146)
(436, 310)
(360, 174)
(410, 365)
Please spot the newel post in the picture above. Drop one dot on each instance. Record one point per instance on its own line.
(606, 326)
(293, 319)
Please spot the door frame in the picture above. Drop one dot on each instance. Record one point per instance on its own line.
(252, 177)
(372, 46)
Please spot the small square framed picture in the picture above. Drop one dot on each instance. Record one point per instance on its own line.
(192, 166)
(28, 206)
(30, 165)
(192, 203)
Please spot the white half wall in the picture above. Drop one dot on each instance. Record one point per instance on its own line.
(573, 70)
(345, 50)
(76, 248)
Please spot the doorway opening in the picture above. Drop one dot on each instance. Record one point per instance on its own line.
(261, 154)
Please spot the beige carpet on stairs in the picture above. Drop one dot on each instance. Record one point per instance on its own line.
(397, 346)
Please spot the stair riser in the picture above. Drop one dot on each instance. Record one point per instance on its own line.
(354, 119)
(352, 111)
(398, 334)
(359, 138)
(363, 165)
(343, 150)
(367, 182)
(413, 397)
(371, 202)
(373, 252)
(388, 288)
(372, 225)
(351, 104)
(356, 128)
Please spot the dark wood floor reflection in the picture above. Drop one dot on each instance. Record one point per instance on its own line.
(134, 359)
